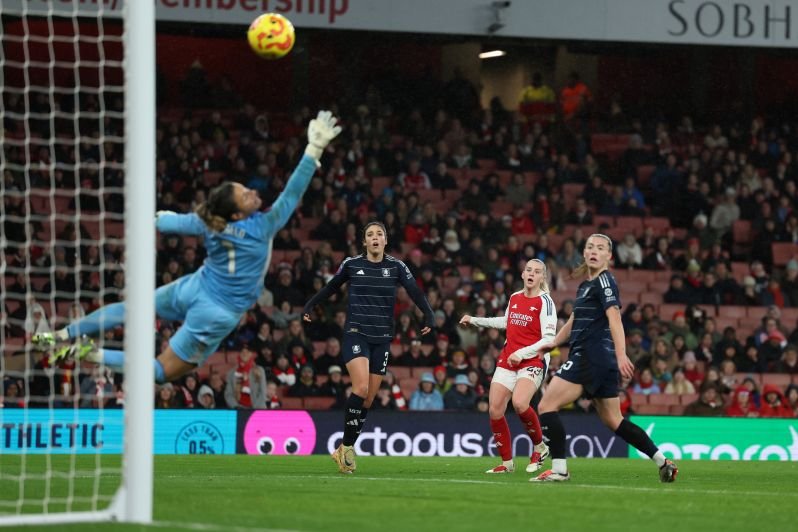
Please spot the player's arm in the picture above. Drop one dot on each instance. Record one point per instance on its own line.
(181, 224)
(548, 330)
(611, 301)
(563, 335)
(321, 131)
(408, 281)
(340, 277)
(498, 322)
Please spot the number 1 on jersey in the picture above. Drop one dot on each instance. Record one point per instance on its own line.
(231, 256)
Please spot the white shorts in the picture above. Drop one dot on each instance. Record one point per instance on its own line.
(508, 378)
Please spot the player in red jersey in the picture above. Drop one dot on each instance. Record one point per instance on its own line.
(530, 317)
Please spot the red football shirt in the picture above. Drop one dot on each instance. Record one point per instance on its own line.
(529, 319)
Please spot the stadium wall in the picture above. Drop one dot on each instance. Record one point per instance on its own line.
(300, 432)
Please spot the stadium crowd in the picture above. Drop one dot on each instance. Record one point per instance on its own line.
(703, 217)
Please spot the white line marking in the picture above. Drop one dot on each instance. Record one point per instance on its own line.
(214, 528)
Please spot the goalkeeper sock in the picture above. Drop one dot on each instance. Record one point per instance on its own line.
(354, 409)
(113, 359)
(555, 432)
(160, 374)
(102, 319)
(659, 458)
(637, 437)
(501, 434)
(363, 413)
(532, 425)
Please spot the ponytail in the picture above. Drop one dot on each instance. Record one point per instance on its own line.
(217, 211)
(581, 270)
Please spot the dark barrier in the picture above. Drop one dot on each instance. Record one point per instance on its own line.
(297, 432)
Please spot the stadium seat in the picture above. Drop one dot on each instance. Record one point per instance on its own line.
(418, 372)
(687, 398)
(732, 311)
(318, 403)
(666, 310)
(408, 386)
(644, 172)
(740, 270)
(663, 399)
(724, 321)
(789, 317)
(783, 252)
(638, 399)
(777, 379)
(651, 410)
(676, 410)
(401, 372)
(291, 403)
(741, 230)
(654, 298)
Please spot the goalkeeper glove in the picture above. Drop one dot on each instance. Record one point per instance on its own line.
(321, 131)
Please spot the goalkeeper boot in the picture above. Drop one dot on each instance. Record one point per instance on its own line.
(540, 454)
(43, 341)
(668, 471)
(344, 456)
(81, 349)
(551, 476)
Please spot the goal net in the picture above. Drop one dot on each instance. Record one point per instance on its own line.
(64, 252)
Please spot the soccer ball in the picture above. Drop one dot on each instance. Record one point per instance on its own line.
(271, 36)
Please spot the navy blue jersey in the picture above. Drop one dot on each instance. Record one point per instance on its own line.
(372, 295)
(590, 332)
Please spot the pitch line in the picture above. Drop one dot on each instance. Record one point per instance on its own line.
(206, 527)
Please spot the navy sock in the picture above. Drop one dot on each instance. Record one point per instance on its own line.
(636, 437)
(354, 409)
(363, 413)
(553, 429)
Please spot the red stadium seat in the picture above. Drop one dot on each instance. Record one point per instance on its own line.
(777, 379)
(318, 403)
(651, 410)
(638, 399)
(732, 311)
(789, 317)
(418, 372)
(663, 399)
(676, 410)
(401, 372)
(688, 398)
(292, 403)
(666, 310)
(742, 232)
(408, 386)
(783, 252)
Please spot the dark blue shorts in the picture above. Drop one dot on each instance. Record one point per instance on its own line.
(356, 345)
(599, 381)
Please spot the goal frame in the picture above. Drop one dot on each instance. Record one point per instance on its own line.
(134, 499)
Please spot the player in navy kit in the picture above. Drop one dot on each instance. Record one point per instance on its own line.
(373, 278)
(210, 301)
(596, 362)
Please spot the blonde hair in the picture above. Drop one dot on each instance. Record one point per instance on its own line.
(544, 283)
(581, 270)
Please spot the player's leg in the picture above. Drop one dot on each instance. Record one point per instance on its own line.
(93, 324)
(378, 365)
(356, 356)
(609, 410)
(560, 392)
(527, 385)
(501, 389)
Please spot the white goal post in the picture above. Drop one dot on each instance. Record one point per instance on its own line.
(52, 495)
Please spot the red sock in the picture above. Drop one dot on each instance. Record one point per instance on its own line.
(532, 425)
(501, 433)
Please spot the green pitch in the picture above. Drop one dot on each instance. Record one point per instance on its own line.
(238, 493)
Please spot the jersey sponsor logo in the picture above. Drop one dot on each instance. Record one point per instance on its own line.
(386, 272)
(360, 272)
(356, 349)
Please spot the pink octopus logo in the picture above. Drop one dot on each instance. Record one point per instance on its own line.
(280, 433)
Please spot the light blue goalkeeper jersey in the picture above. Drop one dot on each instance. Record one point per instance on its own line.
(239, 256)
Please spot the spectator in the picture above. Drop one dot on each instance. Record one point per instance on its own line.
(246, 383)
(426, 397)
(629, 254)
(774, 403)
(792, 398)
(679, 385)
(165, 396)
(36, 320)
(645, 383)
(384, 399)
(205, 398)
(187, 391)
(413, 357)
(692, 371)
(659, 258)
(789, 361)
(396, 391)
(725, 214)
(283, 371)
(97, 390)
(579, 215)
(569, 257)
(741, 405)
(285, 290)
(460, 396)
(709, 403)
(677, 293)
(283, 315)
(335, 386)
(575, 98)
(537, 101)
(306, 384)
(442, 383)
(331, 357)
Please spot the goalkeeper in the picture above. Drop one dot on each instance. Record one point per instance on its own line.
(210, 301)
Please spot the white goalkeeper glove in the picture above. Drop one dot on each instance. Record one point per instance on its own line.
(321, 131)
